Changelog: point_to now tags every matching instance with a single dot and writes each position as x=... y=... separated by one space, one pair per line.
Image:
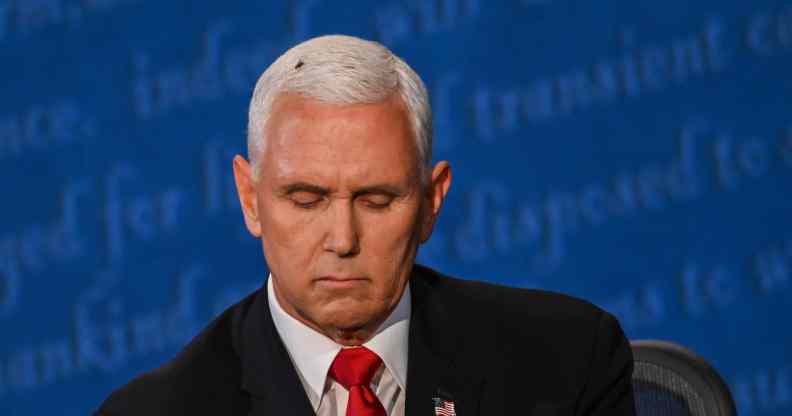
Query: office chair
x=669 y=380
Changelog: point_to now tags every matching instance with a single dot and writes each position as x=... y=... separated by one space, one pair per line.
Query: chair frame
x=693 y=368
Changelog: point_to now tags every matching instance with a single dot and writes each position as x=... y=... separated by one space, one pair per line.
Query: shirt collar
x=312 y=352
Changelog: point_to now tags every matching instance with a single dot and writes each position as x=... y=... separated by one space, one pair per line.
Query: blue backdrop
x=634 y=153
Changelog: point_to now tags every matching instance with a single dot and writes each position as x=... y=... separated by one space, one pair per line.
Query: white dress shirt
x=312 y=353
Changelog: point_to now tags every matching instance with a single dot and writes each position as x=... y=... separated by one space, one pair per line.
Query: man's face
x=340 y=210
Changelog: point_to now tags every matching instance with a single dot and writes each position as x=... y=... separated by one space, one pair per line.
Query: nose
x=342 y=233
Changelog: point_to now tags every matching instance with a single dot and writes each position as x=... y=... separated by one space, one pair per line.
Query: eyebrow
x=302 y=187
x=293 y=187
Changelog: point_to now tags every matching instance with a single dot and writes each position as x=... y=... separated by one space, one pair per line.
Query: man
x=341 y=192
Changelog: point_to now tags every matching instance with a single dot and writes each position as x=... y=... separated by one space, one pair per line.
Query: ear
x=436 y=192
x=246 y=188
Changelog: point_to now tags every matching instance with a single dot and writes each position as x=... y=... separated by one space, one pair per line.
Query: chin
x=350 y=315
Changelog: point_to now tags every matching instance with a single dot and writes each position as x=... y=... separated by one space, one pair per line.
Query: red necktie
x=354 y=368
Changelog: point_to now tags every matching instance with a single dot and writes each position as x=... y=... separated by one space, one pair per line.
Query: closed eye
x=303 y=199
x=376 y=201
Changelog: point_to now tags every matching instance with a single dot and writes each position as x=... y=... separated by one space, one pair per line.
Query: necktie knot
x=355 y=367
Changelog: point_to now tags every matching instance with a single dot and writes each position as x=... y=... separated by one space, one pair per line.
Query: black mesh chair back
x=669 y=380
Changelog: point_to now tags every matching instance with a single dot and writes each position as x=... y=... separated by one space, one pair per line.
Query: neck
x=350 y=337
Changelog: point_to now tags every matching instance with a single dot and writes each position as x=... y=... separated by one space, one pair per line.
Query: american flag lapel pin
x=443 y=406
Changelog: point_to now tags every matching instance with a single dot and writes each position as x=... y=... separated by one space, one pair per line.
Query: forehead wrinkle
x=342 y=170
x=338 y=151
x=346 y=181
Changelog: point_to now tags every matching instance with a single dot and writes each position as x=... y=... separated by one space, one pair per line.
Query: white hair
x=339 y=69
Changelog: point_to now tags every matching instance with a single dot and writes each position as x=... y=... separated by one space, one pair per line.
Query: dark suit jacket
x=493 y=350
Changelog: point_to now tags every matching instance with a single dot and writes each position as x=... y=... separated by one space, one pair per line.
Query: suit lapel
x=434 y=367
x=268 y=373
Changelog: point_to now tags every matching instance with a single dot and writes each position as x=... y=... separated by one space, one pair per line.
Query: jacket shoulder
x=514 y=320
x=564 y=350
x=522 y=306
x=205 y=374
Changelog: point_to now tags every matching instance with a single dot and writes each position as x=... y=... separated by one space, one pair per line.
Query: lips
x=340 y=279
x=340 y=282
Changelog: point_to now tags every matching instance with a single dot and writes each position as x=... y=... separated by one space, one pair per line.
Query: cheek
x=286 y=233
x=390 y=236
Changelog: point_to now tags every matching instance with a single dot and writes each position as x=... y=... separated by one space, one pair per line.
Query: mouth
x=340 y=281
